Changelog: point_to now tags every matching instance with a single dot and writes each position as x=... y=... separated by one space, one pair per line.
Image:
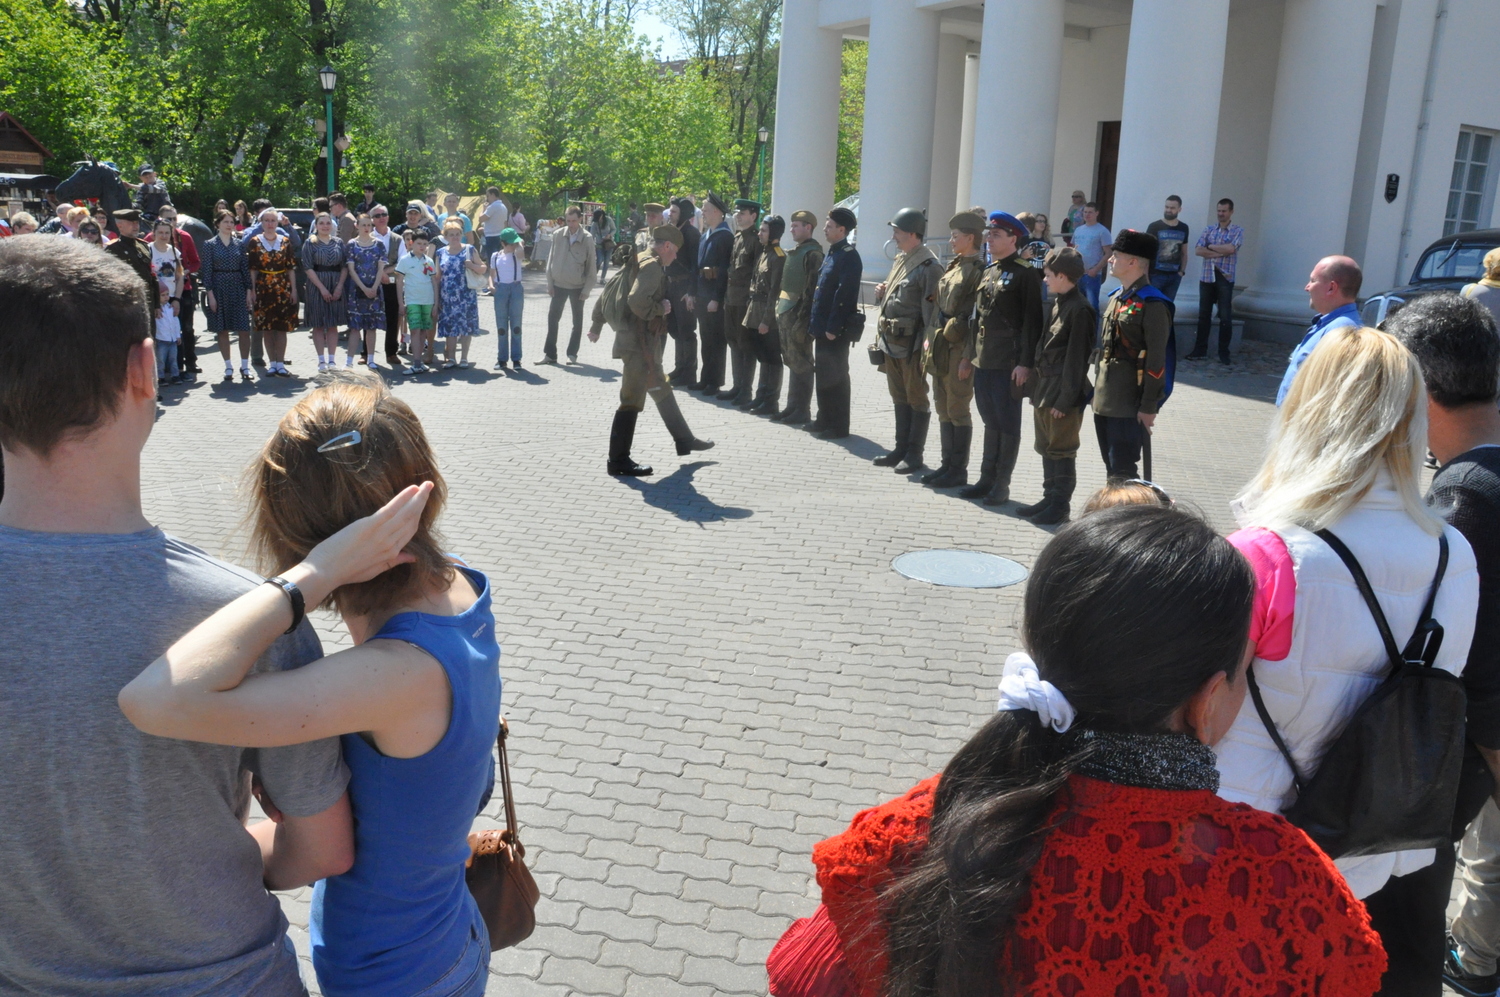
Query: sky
x=658 y=31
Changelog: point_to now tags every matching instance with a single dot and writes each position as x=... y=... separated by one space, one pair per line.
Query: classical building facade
x=1358 y=126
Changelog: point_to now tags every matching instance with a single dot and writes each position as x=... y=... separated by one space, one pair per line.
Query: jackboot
x=737 y=380
x=746 y=399
x=916 y=443
x=945 y=438
x=903 y=437
x=1005 y=463
x=671 y=415
x=768 y=397
x=798 y=395
x=1064 y=480
x=958 y=466
x=621 y=436
x=833 y=412
x=1048 y=473
x=981 y=488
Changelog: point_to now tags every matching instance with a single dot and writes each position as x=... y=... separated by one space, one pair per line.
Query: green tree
x=851 y=118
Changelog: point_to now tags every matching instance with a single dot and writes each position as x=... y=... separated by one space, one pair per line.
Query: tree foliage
x=851 y=118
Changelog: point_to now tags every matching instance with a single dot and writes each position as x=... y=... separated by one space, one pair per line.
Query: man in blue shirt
x=1092 y=240
x=1332 y=290
x=834 y=301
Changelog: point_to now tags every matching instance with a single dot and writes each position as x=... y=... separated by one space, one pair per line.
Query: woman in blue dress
x=458 y=304
x=363 y=298
x=224 y=271
x=346 y=495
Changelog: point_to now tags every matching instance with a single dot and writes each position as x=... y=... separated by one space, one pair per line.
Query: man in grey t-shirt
x=125 y=865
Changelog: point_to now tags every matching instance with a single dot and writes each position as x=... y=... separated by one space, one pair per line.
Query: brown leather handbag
x=497 y=875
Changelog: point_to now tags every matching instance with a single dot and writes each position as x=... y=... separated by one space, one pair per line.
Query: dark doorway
x=1104 y=173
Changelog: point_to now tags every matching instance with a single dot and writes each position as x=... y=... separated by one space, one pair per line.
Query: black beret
x=844 y=218
x=1133 y=243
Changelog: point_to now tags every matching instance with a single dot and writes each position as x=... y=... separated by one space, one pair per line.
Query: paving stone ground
x=708 y=670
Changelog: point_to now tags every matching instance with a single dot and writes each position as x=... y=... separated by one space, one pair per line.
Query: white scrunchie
x=1023 y=688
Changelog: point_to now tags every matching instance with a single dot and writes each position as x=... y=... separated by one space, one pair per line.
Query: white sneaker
x=322 y=366
x=449 y=364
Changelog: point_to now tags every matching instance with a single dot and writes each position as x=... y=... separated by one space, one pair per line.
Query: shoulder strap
x=508 y=797
x=1270 y=725
x=1427 y=637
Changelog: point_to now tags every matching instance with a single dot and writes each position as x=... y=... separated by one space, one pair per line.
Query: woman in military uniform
x=1062 y=363
x=949 y=343
x=760 y=315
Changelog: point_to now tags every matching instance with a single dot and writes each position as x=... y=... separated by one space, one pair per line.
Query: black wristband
x=293 y=593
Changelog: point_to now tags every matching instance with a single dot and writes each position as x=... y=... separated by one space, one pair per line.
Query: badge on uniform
x=1006 y=276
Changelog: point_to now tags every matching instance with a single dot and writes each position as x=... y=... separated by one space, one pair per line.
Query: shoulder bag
x=473 y=281
x=1389 y=781
x=497 y=875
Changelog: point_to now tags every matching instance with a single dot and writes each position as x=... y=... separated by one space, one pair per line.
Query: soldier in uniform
x=832 y=325
x=640 y=346
x=760 y=315
x=742 y=260
x=714 y=249
x=1130 y=375
x=655 y=216
x=682 y=280
x=907 y=302
x=1010 y=324
x=1062 y=366
x=799 y=277
x=950 y=342
x=131 y=250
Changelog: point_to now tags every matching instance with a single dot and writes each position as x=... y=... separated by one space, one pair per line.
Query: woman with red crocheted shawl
x=1075 y=846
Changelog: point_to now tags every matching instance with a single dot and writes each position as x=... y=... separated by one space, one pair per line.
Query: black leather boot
x=1005 y=463
x=903 y=437
x=945 y=438
x=671 y=415
x=958 y=466
x=621 y=436
x=1064 y=480
x=798 y=395
x=981 y=488
x=768 y=398
x=737 y=387
x=1027 y=511
x=916 y=443
x=835 y=418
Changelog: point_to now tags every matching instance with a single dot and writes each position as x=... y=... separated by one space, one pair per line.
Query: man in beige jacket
x=570 y=278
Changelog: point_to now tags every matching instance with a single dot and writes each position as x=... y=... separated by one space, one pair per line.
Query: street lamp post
x=329 y=78
x=760 y=170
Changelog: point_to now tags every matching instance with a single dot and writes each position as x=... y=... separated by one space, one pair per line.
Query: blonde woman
x=325 y=261
x=1486 y=290
x=458 y=304
x=1346 y=456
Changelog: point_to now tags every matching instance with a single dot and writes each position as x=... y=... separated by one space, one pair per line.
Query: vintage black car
x=1446 y=265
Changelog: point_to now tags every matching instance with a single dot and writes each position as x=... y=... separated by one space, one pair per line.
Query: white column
x=1314 y=139
x=1020 y=74
x=947 y=130
x=966 y=137
x=1169 y=125
x=807 y=112
x=895 y=162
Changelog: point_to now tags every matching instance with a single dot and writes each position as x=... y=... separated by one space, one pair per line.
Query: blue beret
x=1004 y=219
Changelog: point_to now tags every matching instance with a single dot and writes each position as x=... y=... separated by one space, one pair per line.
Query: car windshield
x=1454 y=261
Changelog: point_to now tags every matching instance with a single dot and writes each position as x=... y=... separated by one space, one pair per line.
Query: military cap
x=717 y=202
x=1133 y=243
x=660 y=209
x=1006 y=220
x=509 y=235
x=145 y=168
x=127 y=215
x=805 y=217
x=844 y=218
x=967 y=221
x=745 y=204
x=1065 y=260
x=667 y=233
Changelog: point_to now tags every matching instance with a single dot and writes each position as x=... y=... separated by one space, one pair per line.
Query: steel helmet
x=913 y=220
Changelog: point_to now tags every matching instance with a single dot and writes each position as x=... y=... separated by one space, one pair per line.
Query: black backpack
x=1389 y=781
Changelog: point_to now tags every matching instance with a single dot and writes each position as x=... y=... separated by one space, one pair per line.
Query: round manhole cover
x=968 y=569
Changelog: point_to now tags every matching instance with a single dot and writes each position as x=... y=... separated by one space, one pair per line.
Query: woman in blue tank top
x=416 y=701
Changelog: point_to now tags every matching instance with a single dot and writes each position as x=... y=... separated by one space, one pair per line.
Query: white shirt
x=506 y=267
x=496 y=217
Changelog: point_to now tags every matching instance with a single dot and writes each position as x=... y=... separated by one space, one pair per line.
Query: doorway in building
x=1106 y=160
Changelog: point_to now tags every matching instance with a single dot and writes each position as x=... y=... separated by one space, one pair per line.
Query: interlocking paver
x=708 y=670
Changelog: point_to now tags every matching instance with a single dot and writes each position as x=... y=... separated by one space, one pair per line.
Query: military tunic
x=1062 y=364
x=134 y=253
x=1010 y=316
x=1130 y=373
x=799 y=277
x=908 y=309
x=641 y=346
x=951 y=340
x=765 y=290
x=742 y=261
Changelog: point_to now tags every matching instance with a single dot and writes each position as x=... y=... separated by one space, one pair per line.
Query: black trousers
x=187 y=350
x=392 y=325
x=767 y=347
x=1220 y=292
x=711 y=331
x=831 y=377
x=1410 y=914
x=1120 y=444
x=992 y=397
x=560 y=296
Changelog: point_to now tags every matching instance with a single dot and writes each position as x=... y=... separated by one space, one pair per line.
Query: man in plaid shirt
x=1219 y=246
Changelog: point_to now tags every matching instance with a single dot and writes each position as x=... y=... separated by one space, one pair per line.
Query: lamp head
x=329 y=78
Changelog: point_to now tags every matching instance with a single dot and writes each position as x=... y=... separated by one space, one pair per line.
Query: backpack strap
x=1428 y=635
x=1270 y=725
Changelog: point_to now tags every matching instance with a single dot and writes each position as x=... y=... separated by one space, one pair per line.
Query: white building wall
x=1093 y=86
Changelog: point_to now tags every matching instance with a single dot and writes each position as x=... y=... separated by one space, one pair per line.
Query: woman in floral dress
x=363 y=297
x=273 y=277
x=458 y=309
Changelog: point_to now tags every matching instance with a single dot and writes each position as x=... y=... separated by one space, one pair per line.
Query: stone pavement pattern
x=708 y=670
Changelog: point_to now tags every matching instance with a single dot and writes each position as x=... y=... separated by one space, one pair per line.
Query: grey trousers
x=1476 y=927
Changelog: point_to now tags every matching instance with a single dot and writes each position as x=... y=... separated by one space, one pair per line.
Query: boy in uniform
x=1131 y=376
x=799 y=278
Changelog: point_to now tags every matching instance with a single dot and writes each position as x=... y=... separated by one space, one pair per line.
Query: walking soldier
x=760 y=315
x=799 y=278
x=742 y=261
x=950 y=343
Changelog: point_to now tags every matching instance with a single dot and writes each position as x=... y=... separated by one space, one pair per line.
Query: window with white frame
x=1469 y=192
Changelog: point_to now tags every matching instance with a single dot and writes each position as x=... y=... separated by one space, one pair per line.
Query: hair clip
x=1161 y=493
x=349 y=439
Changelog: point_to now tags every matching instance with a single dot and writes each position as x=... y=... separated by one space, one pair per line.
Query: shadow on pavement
x=675 y=494
x=606 y=375
x=523 y=374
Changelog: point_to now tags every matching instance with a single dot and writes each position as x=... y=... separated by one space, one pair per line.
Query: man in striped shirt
x=1219 y=246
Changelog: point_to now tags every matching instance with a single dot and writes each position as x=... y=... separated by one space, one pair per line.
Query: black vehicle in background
x=1446 y=265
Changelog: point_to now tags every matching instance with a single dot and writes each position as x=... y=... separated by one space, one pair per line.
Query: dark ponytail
x=1128 y=612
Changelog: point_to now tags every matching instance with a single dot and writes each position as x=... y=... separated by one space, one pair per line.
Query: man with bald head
x=1332 y=291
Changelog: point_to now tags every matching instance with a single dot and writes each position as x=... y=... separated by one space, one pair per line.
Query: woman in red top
x=1074 y=846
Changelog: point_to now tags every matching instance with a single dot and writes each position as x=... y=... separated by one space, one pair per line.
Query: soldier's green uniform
x=908 y=310
x=799 y=278
x=1130 y=374
x=742 y=260
x=1010 y=324
x=949 y=342
x=765 y=289
x=134 y=253
x=639 y=345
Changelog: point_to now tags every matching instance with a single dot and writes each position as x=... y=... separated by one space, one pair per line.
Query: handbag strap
x=507 y=796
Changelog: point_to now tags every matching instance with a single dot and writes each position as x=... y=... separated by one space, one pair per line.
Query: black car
x=1446 y=265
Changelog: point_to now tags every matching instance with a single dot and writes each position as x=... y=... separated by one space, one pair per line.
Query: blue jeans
x=1166 y=283
x=1090 y=288
x=508 y=298
x=166 y=360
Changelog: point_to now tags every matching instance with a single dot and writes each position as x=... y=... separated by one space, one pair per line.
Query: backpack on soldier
x=614 y=301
